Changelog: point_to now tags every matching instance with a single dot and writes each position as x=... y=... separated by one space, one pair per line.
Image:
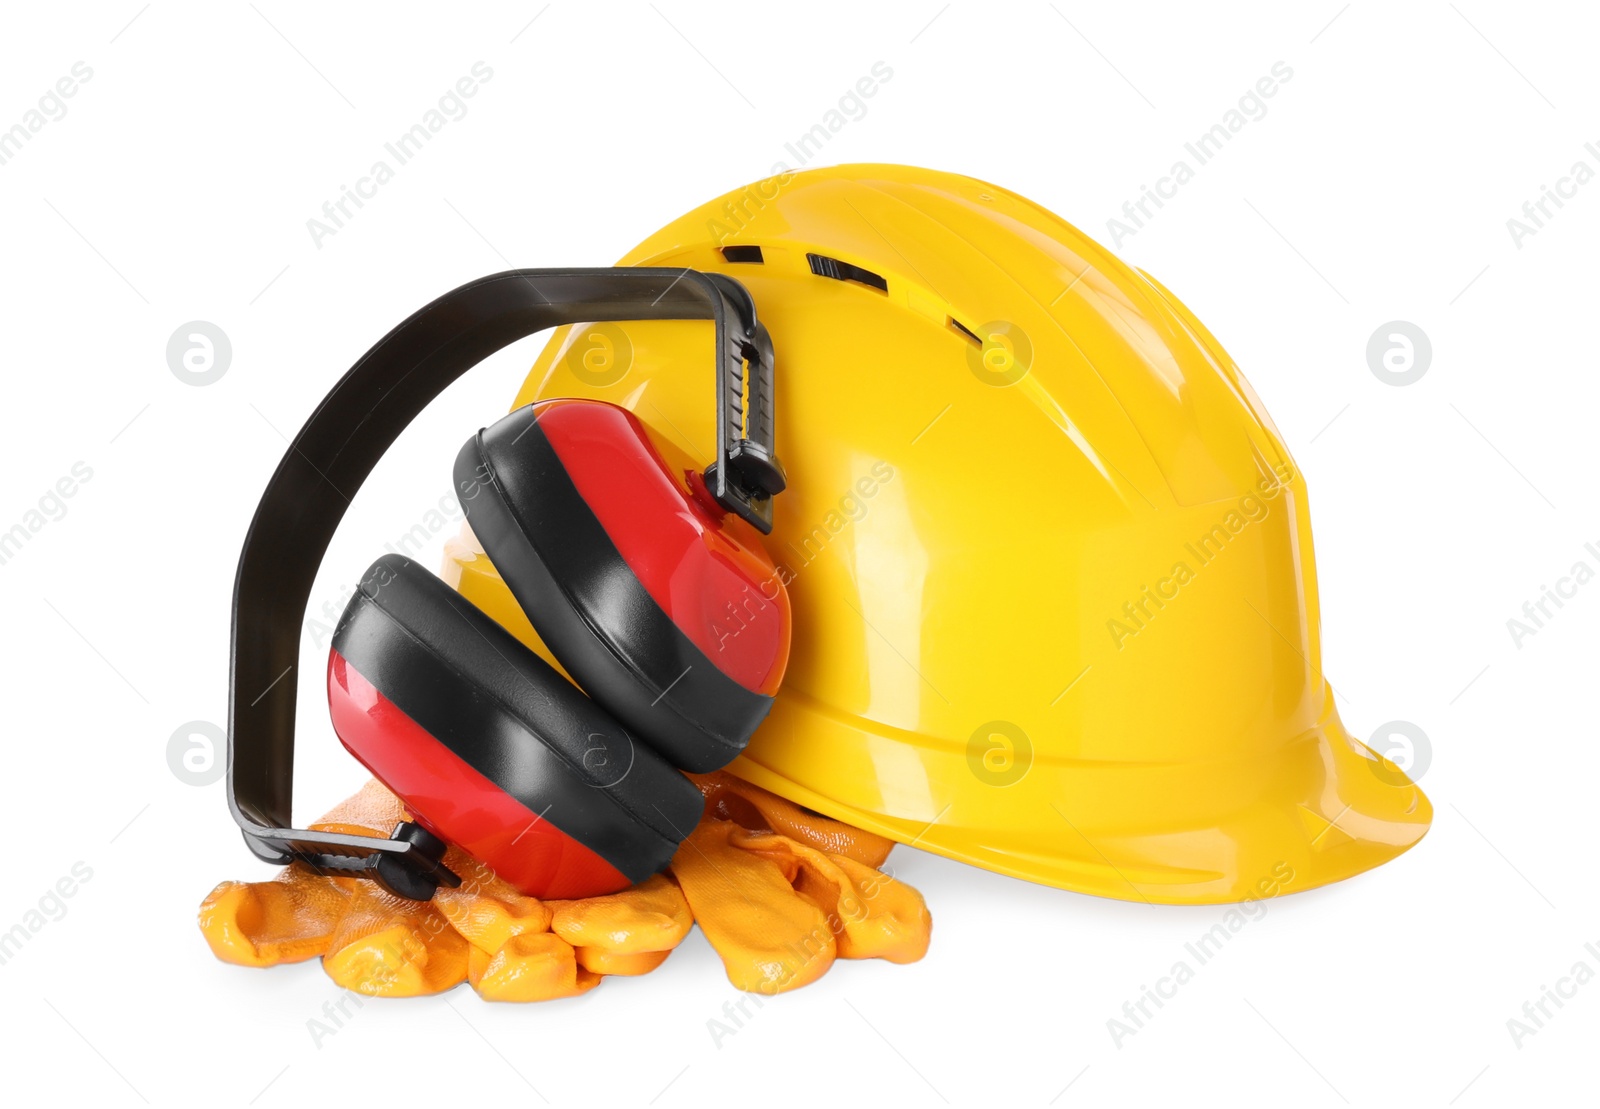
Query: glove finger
x=533 y=966
x=895 y=925
x=488 y=922
x=651 y=916
x=386 y=946
x=731 y=798
x=873 y=915
x=286 y=920
x=770 y=940
x=485 y=909
x=602 y=961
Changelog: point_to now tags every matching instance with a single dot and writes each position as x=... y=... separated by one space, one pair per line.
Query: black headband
x=350 y=431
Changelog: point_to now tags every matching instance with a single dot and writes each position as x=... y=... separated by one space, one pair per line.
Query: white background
x=1377 y=188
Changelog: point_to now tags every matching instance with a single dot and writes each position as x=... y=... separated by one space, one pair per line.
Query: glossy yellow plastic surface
x=1055 y=606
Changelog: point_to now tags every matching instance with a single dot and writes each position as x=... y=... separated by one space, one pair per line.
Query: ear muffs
x=491 y=749
x=664 y=607
x=388 y=687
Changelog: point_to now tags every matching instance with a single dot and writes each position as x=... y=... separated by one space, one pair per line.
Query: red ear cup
x=491 y=749
x=663 y=607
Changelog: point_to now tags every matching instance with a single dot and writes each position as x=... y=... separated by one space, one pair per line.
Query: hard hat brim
x=1329 y=809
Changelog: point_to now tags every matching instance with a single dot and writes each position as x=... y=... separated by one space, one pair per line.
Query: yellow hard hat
x=1055 y=606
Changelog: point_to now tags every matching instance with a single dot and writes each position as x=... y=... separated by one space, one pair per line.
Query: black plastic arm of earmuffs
x=344 y=439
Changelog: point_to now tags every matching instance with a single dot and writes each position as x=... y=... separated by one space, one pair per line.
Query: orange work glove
x=779 y=891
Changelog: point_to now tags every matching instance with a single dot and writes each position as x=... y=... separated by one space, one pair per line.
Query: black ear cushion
x=589 y=607
x=507 y=713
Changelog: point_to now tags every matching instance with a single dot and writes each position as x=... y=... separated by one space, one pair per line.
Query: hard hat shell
x=1054 y=600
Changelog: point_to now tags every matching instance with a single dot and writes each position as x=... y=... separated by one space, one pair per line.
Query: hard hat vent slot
x=743 y=254
x=971 y=335
x=823 y=266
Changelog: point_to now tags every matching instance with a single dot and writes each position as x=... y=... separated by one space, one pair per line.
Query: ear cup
x=491 y=749
x=663 y=607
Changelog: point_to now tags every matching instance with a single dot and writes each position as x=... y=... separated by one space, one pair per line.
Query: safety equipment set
x=1053 y=596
